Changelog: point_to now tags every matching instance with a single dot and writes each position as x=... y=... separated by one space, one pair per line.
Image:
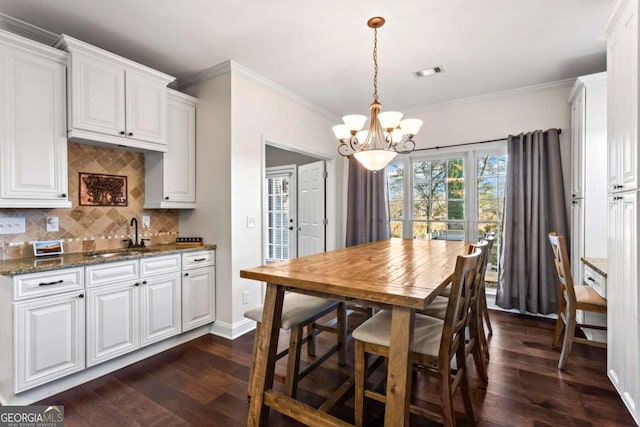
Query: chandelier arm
x=406 y=146
x=344 y=150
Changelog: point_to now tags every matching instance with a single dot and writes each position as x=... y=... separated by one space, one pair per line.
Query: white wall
x=499 y=117
x=212 y=217
x=260 y=115
x=237 y=116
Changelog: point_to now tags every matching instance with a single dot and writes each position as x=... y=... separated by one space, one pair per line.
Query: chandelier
x=388 y=134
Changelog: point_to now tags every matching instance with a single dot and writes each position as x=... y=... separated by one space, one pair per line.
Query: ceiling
x=322 y=50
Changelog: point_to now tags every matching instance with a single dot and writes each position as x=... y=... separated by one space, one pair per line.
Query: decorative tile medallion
x=102 y=189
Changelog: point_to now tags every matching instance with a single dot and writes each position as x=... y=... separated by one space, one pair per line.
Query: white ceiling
x=322 y=50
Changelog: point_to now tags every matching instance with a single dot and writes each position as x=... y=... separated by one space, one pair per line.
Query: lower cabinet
x=112 y=321
x=55 y=323
x=160 y=308
x=49 y=339
x=198 y=298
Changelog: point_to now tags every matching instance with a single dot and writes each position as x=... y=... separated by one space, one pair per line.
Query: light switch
x=52 y=224
x=251 y=222
x=146 y=221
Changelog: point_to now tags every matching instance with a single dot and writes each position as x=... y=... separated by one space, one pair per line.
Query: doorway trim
x=332 y=214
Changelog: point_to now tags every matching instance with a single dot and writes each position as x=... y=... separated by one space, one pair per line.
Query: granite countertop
x=598 y=264
x=12 y=267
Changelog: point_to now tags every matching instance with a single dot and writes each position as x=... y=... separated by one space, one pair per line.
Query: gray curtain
x=367 y=205
x=534 y=206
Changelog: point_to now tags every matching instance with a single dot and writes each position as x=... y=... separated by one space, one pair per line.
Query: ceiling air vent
x=429 y=71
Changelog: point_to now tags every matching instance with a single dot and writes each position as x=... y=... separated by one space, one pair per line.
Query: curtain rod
x=469 y=143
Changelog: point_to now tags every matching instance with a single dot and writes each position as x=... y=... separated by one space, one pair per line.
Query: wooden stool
x=300 y=311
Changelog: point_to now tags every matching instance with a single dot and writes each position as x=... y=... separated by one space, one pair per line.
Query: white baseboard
x=232 y=331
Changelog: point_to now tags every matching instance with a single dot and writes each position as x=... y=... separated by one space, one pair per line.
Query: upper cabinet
x=113 y=100
x=33 y=143
x=170 y=178
x=622 y=63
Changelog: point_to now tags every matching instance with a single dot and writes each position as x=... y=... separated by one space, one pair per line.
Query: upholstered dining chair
x=436 y=342
x=476 y=342
x=300 y=311
x=572 y=297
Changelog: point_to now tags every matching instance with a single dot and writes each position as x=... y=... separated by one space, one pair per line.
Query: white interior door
x=311 y=208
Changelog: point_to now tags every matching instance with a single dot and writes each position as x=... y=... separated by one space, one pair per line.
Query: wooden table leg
x=400 y=366
x=265 y=359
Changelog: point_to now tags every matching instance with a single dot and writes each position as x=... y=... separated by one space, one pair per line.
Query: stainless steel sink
x=112 y=254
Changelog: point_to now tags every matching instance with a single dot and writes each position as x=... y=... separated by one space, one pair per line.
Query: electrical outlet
x=52 y=224
x=251 y=222
x=12 y=226
x=146 y=221
x=245 y=297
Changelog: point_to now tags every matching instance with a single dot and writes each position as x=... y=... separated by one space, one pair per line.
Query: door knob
x=291 y=228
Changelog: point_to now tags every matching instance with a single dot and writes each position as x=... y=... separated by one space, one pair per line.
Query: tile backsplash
x=87 y=228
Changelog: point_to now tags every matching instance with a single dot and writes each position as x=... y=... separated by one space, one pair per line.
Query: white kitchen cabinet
x=113 y=100
x=113 y=313
x=621 y=32
x=160 y=298
x=588 y=100
x=577 y=101
x=171 y=177
x=160 y=308
x=198 y=289
x=622 y=65
x=622 y=296
x=49 y=339
x=33 y=144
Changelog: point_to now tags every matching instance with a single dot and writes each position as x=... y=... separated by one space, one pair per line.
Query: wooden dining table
x=401 y=275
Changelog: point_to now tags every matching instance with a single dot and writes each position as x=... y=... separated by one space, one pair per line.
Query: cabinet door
x=97 y=95
x=49 y=339
x=622 y=64
x=198 y=298
x=615 y=322
x=629 y=280
x=112 y=322
x=179 y=162
x=146 y=108
x=578 y=144
x=33 y=138
x=577 y=239
x=160 y=308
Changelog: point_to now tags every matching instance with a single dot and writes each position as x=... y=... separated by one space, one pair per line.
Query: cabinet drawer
x=198 y=259
x=597 y=281
x=159 y=265
x=47 y=283
x=103 y=274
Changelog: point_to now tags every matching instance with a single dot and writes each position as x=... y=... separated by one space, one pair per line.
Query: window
x=438 y=199
x=280 y=203
x=491 y=173
x=450 y=195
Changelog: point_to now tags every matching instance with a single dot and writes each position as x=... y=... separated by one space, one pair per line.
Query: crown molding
x=24 y=29
x=186 y=80
x=492 y=96
x=229 y=66
x=589 y=80
x=612 y=18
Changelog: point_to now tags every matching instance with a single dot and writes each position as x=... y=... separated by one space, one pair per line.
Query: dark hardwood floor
x=204 y=383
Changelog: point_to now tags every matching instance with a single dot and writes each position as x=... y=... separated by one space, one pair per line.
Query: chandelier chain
x=375 y=64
